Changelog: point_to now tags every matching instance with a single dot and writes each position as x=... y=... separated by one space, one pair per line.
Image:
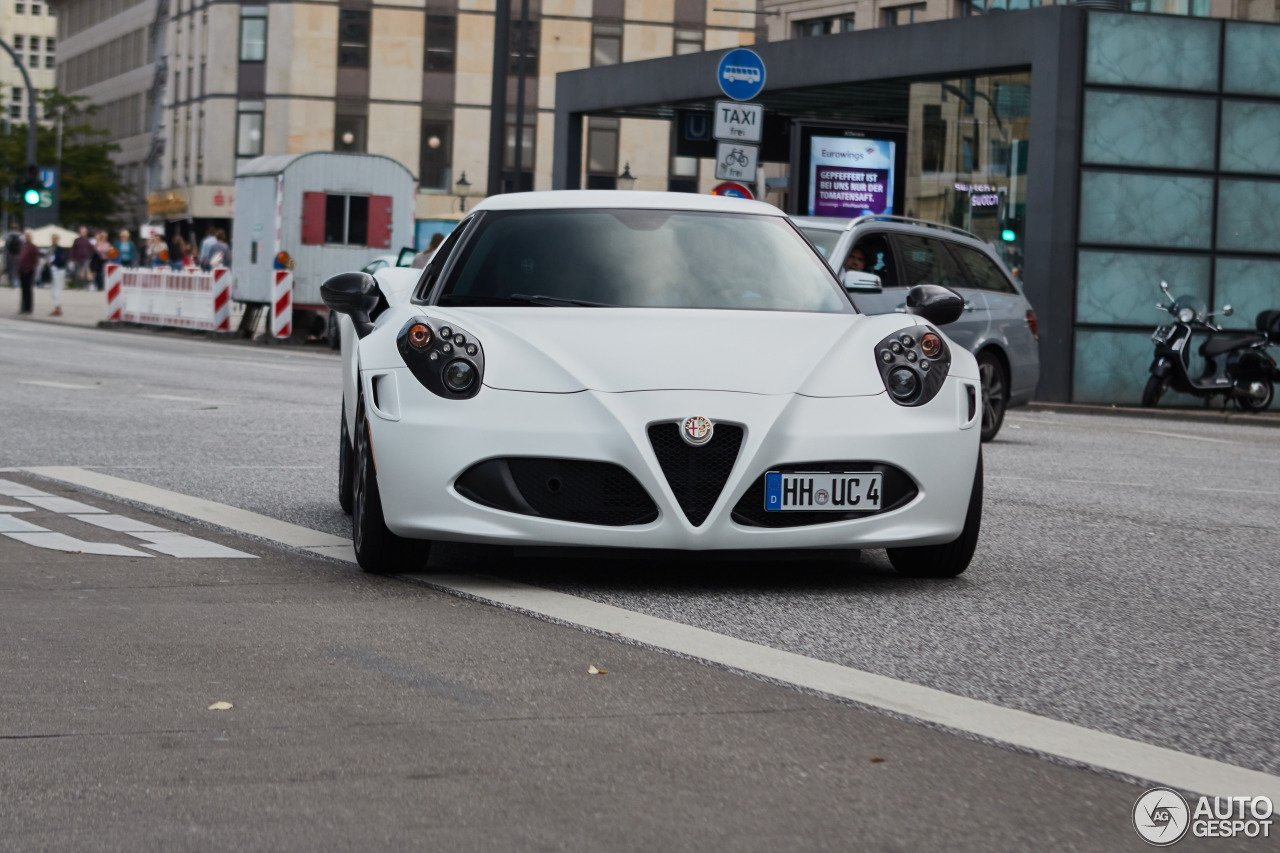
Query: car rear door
x=1007 y=309
x=926 y=260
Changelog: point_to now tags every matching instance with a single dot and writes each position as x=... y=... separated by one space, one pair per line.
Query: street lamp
x=464 y=189
x=626 y=181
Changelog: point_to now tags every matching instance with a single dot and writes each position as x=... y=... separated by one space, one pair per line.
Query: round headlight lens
x=459 y=376
x=903 y=383
x=419 y=335
x=931 y=345
x=1186 y=314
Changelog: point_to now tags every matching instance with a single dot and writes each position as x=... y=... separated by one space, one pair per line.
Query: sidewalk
x=79 y=307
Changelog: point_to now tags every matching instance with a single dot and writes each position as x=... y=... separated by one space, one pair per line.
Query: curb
x=1265 y=419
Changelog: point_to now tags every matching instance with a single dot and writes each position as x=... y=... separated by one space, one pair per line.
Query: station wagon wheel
x=995 y=394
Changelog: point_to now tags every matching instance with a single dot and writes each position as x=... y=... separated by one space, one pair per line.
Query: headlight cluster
x=447 y=360
x=914 y=363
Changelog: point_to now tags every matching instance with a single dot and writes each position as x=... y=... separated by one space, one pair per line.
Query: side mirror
x=935 y=303
x=355 y=294
x=861 y=282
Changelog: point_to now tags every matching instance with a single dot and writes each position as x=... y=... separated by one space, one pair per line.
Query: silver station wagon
x=880 y=257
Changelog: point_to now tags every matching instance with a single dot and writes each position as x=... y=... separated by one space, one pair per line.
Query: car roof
x=614 y=199
x=893 y=223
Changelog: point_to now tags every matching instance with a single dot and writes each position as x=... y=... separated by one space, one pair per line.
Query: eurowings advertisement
x=850 y=176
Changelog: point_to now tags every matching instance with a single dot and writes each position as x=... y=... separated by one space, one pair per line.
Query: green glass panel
x=1252 y=64
x=1152 y=50
x=1124 y=287
x=1113 y=367
x=1248 y=285
x=1249 y=216
x=1145 y=210
x=1122 y=129
x=1251 y=137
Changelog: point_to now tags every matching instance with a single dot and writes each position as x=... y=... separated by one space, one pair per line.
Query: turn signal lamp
x=931 y=345
x=419 y=335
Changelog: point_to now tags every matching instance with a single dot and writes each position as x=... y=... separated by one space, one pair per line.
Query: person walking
x=28 y=263
x=58 y=259
x=158 y=251
x=206 y=247
x=219 y=252
x=125 y=253
x=101 y=254
x=81 y=257
x=12 y=248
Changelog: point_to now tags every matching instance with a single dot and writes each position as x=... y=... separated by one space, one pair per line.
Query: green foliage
x=91 y=192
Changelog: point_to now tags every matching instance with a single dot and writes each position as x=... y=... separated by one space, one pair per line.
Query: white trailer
x=331 y=212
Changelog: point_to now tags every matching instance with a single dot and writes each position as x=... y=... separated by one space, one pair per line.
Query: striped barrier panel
x=174 y=298
x=282 y=304
x=114 y=282
x=221 y=300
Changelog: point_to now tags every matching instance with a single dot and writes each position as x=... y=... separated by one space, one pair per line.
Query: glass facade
x=1179 y=182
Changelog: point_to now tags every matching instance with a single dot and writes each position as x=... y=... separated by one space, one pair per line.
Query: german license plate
x=838 y=491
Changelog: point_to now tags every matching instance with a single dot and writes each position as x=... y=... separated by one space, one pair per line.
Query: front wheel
x=952 y=558
x=346 y=465
x=995 y=394
x=378 y=550
x=1153 y=392
x=1258 y=394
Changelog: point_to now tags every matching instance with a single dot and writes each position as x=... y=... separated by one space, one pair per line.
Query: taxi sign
x=732 y=190
x=737 y=122
x=741 y=74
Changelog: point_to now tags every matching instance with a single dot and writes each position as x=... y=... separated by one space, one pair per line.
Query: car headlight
x=1186 y=314
x=913 y=363
x=448 y=361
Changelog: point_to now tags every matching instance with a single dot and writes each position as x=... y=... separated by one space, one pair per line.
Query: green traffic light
x=31 y=197
x=1008 y=236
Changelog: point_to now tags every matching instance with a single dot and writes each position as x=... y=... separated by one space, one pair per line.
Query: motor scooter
x=1237 y=364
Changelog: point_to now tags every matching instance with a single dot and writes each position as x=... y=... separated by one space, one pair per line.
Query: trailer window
x=348 y=220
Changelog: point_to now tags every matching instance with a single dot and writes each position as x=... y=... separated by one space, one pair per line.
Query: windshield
x=641 y=258
x=823 y=239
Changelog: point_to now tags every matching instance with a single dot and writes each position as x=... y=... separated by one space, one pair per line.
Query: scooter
x=1237 y=365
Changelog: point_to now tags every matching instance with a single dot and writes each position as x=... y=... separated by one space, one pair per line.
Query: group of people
x=85 y=260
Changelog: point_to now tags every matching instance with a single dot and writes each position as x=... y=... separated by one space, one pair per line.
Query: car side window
x=986 y=274
x=927 y=261
x=431 y=274
x=877 y=257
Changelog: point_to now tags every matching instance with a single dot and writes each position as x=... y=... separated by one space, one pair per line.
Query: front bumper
x=422 y=444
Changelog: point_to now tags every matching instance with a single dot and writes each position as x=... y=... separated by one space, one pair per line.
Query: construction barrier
x=165 y=297
x=282 y=304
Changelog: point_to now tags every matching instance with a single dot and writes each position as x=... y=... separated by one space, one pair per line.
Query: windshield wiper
x=555 y=300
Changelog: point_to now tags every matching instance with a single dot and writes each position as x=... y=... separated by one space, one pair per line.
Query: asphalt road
x=1126 y=579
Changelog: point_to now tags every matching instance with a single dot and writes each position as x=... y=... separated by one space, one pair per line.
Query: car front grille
x=696 y=474
x=897 y=489
x=577 y=490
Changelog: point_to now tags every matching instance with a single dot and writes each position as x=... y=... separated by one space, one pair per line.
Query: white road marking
x=10 y=489
x=40 y=537
x=60 y=505
x=173 y=398
x=1187 y=437
x=189 y=547
x=958 y=713
x=9 y=524
x=118 y=523
x=1236 y=491
x=15 y=509
x=64 y=385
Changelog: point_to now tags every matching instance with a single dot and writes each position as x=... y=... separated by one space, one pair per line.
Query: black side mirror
x=935 y=303
x=355 y=294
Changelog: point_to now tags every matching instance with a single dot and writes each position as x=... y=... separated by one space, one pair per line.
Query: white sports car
x=650 y=370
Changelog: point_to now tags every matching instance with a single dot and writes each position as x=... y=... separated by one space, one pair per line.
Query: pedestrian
x=101 y=254
x=206 y=247
x=179 y=254
x=58 y=260
x=81 y=256
x=125 y=253
x=28 y=262
x=12 y=248
x=158 y=251
x=219 y=252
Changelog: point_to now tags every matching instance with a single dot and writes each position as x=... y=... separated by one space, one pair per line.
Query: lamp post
x=463 y=186
x=626 y=181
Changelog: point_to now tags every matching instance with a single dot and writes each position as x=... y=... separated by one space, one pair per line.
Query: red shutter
x=313 y=219
x=380 y=221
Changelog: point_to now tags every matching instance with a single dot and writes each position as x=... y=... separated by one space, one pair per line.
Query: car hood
x=565 y=350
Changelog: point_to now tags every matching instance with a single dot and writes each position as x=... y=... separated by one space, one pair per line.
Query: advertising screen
x=850 y=176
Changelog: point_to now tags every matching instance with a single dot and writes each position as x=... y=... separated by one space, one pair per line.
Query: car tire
x=346 y=465
x=333 y=331
x=378 y=550
x=952 y=558
x=995 y=393
x=1153 y=392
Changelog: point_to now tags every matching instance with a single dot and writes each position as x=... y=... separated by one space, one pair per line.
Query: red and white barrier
x=165 y=297
x=282 y=304
x=115 y=293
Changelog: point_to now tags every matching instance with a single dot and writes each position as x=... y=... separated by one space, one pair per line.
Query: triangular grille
x=696 y=474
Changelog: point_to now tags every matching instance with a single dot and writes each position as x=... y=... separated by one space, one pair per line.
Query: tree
x=91 y=190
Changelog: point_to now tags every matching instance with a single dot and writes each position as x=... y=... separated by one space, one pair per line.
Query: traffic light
x=31 y=186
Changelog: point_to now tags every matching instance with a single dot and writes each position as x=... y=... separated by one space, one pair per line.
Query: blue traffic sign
x=741 y=74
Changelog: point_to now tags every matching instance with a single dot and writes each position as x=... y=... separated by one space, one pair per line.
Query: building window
x=602 y=153
x=933 y=142
x=249 y=129
x=253 y=33
x=531 y=47
x=15 y=111
x=49 y=44
x=17 y=43
x=20 y=8
x=606 y=44
x=349 y=132
x=346 y=219
x=688 y=41
x=441 y=42
x=353 y=38
x=899 y=15
x=35 y=8
x=437 y=145
x=823 y=26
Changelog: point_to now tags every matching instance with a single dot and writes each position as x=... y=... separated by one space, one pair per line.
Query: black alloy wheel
x=1258 y=394
x=378 y=550
x=333 y=331
x=1153 y=392
x=952 y=558
x=346 y=465
x=995 y=394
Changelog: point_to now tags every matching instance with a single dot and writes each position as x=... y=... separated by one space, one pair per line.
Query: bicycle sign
x=741 y=74
x=735 y=162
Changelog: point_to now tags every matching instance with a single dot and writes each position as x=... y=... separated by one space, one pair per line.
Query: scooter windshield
x=1195 y=303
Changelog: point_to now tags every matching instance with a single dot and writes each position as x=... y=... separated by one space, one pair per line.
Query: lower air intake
x=564 y=489
x=696 y=474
